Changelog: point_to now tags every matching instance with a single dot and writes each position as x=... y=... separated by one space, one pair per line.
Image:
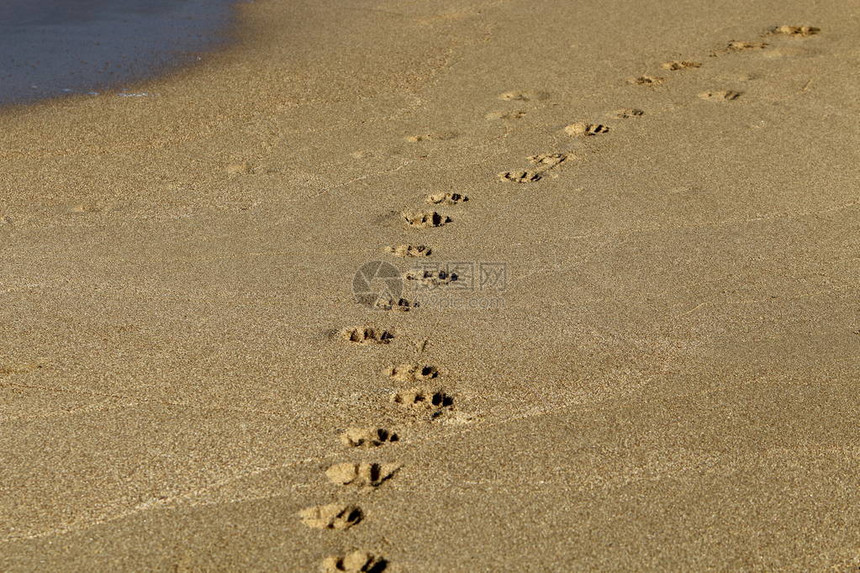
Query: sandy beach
x=634 y=347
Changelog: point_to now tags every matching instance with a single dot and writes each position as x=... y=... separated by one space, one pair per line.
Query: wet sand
x=667 y=380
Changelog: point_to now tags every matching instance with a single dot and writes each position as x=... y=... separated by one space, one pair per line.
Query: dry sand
x=670 y=384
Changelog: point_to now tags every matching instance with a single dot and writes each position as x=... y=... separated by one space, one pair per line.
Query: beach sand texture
x=670 y=384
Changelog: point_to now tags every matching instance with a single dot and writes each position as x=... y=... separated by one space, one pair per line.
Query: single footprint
x=447 y=198
x=646 y=81
x=412 y=372
x=736 y=46
x=399 y=304
x=520 y=176
x=523 y=96
x=354 y=562
x=421 y=398
x=796 y=31
x=444 y=136
x=332 y=516
x=506 y=115
x=426 y=219
x=721 y=95
x=581 y=129
x=626 y=113
x=367 y=335
x=547 y=160
x=362 y=474
x=410 y=251
x=430 y=277
x=680 y=65
x=368 y=437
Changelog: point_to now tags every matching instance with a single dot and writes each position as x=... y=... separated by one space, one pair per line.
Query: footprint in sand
x=398 y=304
x=367 y=335
x=719 y=96
x=422 y=398
x=795 y=31
x=582 y=129
x=412 y=372
x=368 y=437
x=520 y=176
x=447 y=198
x=410 y=251
x=547 y=160
x=361 y=474
x=332 y=516
x=625 y=113
x=505 y=115
x=735 y=46
x=646 y=80
x=443 y=136
x=680 y=65
x=354 y=562
x=425 y=219
x=523 y=96
x=430 y=278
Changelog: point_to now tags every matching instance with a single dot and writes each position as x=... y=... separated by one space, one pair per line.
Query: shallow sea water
x=53 y=47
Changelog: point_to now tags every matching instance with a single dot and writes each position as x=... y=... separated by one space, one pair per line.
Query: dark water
x=56 y=47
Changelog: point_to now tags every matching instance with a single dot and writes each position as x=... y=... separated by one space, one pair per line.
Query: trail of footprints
x=422 y=397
